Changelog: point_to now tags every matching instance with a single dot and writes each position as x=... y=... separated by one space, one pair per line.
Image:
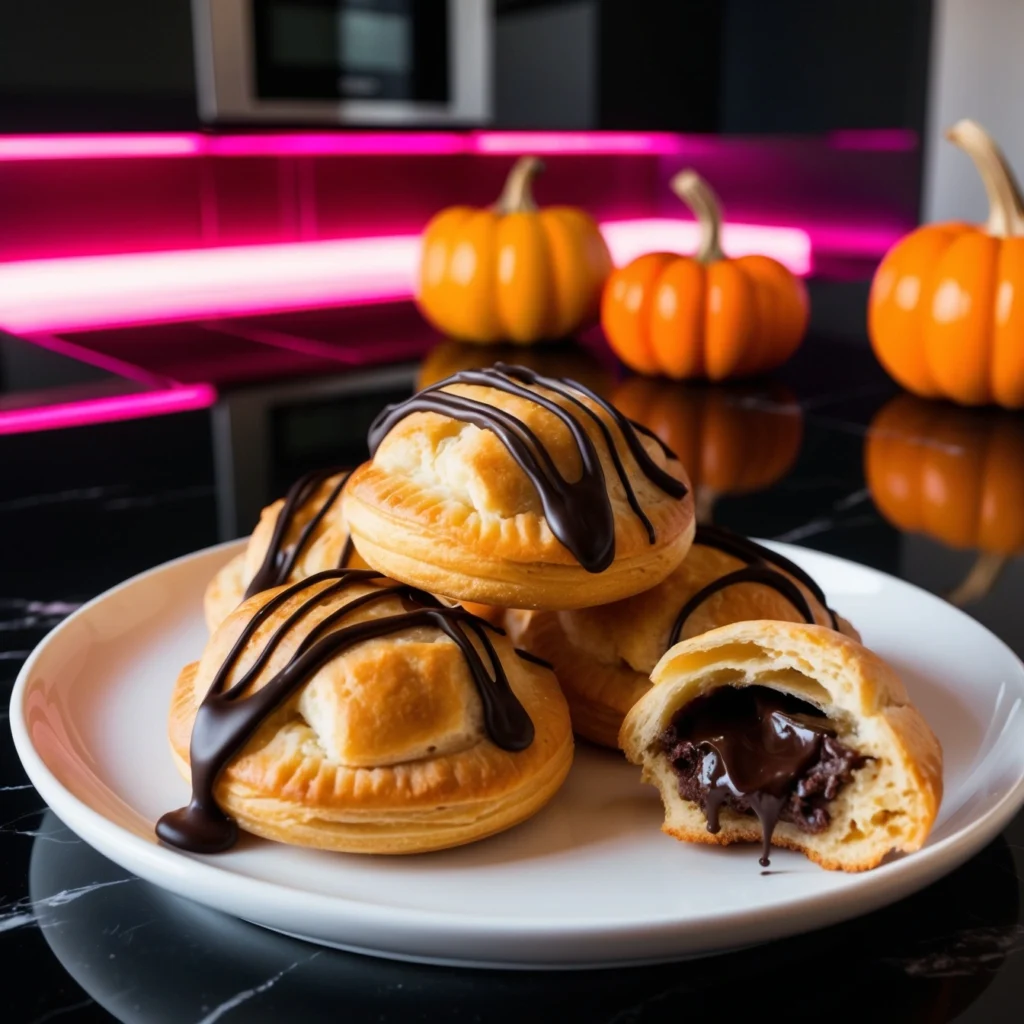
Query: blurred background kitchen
x=210 y=220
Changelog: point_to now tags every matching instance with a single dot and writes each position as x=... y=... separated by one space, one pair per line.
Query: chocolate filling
x=761 y=752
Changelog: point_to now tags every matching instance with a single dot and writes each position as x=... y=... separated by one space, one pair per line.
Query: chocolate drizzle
x=758 y=751
x=227 y=718
x=580 y=512
x=762 y=566
x=278 y=561
x=348 y=549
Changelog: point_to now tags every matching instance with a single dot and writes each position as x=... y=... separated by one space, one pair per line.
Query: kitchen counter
x=828 y=455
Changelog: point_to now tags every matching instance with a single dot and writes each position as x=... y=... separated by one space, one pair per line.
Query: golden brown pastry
x=505 y=488
x=348 y=712
x=296 y=536
x=603 y=656
x=788 y=734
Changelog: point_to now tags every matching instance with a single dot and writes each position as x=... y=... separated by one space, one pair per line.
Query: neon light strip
x=191 y=144
x=94 y=291
x=571 y=143
x=628 y=239
x=93 y=147
x=339 y=144
x=107 y=410
x=104 y=291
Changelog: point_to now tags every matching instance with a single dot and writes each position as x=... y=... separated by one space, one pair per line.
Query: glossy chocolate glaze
x=278 y=562
x=762 y=566
x=758 y=750
x=580 y=512
x=227 y=717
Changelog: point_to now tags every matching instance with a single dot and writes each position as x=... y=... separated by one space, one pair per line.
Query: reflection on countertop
x=826 y=454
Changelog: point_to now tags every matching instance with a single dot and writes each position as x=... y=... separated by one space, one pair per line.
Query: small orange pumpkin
x=512 y=272
x=705 y=315
x=946 y=312
x=727 y=445
x=953 y=474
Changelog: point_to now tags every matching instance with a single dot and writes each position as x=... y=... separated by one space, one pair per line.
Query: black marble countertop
x=808 y=457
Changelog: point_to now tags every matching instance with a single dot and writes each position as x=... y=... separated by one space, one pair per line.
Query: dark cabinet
x=728 y=66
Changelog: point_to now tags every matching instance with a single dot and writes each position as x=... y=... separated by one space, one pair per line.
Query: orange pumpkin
x=953 y=474
x=946 y=312
x=705 y=315
x=512 y=272
x=727 y=445
x=566 y=360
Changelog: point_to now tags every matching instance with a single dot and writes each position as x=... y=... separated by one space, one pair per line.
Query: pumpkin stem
x=517 y=195
x=1006 y=207
x=700 y=197
x=978 y=581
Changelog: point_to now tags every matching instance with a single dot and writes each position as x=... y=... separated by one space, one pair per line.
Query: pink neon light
x=130 y=146
x=107 y=410
x=92 y=147
x=589 y=143
x=93 y=291
x=628 y=239
x=847 y=240
x=191 y=144
x=339 y=144
x=890 y=139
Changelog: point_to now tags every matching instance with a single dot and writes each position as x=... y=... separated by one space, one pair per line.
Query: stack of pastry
x=349 y=697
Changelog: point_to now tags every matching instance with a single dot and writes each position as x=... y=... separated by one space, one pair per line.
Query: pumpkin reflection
x=732 y=440
x=955 y=475
x=561 y=360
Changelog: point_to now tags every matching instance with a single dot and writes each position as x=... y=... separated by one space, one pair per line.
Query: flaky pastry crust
x=604 y=656
x=384 y=749
x=323 y=551
x=891 y=802
x=444 y=506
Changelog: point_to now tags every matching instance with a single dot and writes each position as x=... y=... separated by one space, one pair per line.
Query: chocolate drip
x=346 y=552
x=279 y=562
x=579 y=513
x=226 y=719
x=757 y=750
x=763 y=567
x=533 y=658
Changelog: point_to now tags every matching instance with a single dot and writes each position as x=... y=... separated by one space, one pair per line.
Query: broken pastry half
x=297 y=535
x=350 y=712
x=790 y=735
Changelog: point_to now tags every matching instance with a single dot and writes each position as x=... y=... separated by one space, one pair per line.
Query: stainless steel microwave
x=360 y=62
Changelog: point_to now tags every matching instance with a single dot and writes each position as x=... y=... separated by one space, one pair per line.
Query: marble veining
x=61 y=1011
x=62 y=834
x=250 y=993
x=833 y=520
x=24 y=911
x=965 y=953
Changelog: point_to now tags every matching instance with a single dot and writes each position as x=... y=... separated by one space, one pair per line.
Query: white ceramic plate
x=589 y=881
